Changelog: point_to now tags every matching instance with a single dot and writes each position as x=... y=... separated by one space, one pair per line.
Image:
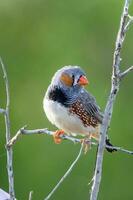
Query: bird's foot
x=56 y=136
x=86 y=144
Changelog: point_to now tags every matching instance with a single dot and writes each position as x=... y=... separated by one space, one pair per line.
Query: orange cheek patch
x=66 y=79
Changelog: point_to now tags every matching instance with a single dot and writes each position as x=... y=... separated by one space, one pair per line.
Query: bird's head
x=70 y=77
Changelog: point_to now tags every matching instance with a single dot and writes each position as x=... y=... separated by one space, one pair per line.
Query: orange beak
x=83 y=81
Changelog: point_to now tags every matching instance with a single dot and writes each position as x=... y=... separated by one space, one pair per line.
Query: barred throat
x=78 y=109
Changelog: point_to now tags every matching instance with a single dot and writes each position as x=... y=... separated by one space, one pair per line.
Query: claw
x=86 y=144
x=56 y=136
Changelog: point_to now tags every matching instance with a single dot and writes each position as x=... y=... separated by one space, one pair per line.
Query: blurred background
x=36 y=38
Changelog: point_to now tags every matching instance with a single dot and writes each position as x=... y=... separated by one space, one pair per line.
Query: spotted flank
x=88 y=120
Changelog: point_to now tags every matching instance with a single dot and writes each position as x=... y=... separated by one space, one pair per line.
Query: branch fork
x=117 y=75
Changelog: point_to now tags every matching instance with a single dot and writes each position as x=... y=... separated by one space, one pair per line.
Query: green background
x=36 y=38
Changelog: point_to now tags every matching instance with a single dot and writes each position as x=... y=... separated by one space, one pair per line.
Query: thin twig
x=24 y=131
x=2 y=111
x=66 y=174
x=7 y=123
x=123 y=74
x=110 y=102
x=30 y=195
x=4 y=195
x=130 y=21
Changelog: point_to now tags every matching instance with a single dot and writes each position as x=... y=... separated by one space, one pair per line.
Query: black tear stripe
x=56 y=94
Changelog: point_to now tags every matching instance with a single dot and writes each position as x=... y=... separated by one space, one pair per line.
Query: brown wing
x=87 y=110
x=87 y=119
x=91 y=106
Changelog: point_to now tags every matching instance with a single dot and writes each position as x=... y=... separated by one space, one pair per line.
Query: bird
x=70 y=107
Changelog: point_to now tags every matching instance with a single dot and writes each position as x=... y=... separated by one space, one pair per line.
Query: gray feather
x=90 y=105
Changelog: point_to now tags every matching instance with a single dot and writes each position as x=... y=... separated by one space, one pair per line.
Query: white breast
x=61 y=118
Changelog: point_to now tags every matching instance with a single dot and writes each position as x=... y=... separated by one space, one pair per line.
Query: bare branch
x=7 y=123
x=30 y=195
x=120 y=38
x=123 y=74
x=2 y=111
x=66 y=174
x=44 y=131
x=110 y=102
x=23 y=131
x=123 y=150
x=4 y=195
x=130 y=21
